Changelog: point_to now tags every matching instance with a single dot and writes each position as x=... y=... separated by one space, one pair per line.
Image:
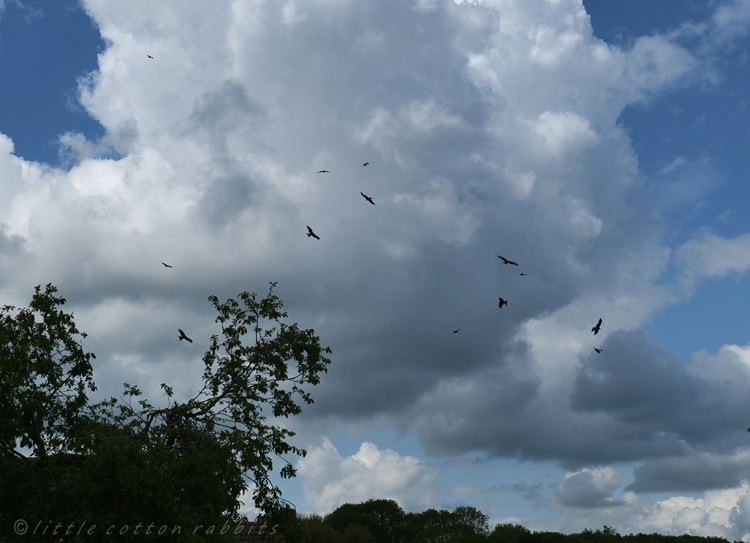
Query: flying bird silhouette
x=748 y=429
x=166 y=265
x=365 y=164
x=523 y=274
x=456 y=332
x=506 y=261
x=310 y=233
x=596 y=328
x=597 y=350
x=367 y=198
x=324 y=171
x=183 y=336
x=502 y=302
x=149 y=56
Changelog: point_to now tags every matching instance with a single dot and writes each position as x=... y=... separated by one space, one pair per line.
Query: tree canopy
x=381 y=521
x=182 y=466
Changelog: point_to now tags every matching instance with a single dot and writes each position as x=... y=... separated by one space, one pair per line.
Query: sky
x=600 y=144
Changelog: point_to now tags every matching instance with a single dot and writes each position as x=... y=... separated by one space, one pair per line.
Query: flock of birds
x=312 y=234
x=502 y=302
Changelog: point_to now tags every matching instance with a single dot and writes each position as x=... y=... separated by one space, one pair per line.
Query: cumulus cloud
x=330 y=480
x=710 y=255
x=589 y=488
x=715 y=515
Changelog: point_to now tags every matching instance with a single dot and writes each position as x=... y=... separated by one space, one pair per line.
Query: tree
x=384 y=519
x=183 y=465
x=317 y=531
x=464 y=524
x=44 y=374
x=510 y=533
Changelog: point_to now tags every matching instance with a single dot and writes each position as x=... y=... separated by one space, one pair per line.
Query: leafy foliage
x=364 y=522
x=183 y=466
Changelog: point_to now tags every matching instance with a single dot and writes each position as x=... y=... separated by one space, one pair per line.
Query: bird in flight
x=149 y=56
x=365 y=164
x=312 y=234
x=324 y=171
x=597 y=350
x=596 y=328
x=502 y=302
x=506 y=261
x=367 y=198
x=523 y=274
x=748 y=429
x=166 y=265
x=183 y=336
x=456 y=332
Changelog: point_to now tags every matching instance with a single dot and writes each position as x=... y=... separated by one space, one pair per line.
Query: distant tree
x=472 y=517
x=463 y=525
x=510 y=533
x=183 y=465
x=384 y=519
x=315 y=530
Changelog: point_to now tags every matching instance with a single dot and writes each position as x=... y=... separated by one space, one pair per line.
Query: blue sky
x=599 y=144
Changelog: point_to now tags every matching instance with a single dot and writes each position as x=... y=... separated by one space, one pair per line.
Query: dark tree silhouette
x=182 y=465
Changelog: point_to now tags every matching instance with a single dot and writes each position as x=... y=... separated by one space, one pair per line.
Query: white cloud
x=710 y=255
x=564 y=132
x=713 y=515
x=330 y=481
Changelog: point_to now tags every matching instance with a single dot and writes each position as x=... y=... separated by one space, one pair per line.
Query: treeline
x=383 y=521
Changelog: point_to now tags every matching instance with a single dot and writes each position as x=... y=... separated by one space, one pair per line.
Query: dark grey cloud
x=697 y=472
x=527 y=491
x=589 y=489
x=225 y=198
x=644 y=387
